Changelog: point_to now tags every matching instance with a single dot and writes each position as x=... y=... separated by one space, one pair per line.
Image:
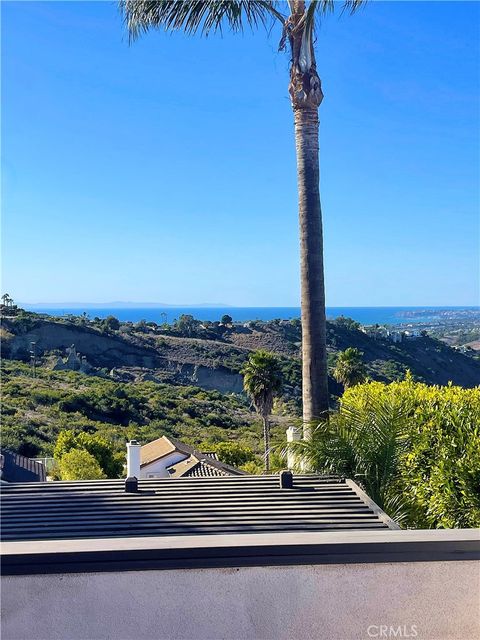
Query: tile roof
x=17 y=468
x=208 y=464
x=204 y=470
x=155 y=450
x=193 y=467
x=185 y=506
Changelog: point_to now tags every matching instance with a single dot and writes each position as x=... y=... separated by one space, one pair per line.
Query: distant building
x=395 y=336
x=170 y=458
x=378 y=332
x=462 y=348
x=413 y=333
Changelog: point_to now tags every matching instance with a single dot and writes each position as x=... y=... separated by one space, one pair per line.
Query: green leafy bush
x=78 y=464
x=111 y=323
x=415 y=449
x=96 y=446
x=442 y=469
x=232 y=453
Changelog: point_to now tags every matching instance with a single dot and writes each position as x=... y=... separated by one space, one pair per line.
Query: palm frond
x=353 y=5
x=328 y=6
x=305 y=58
x=366 y=443
x=194 y=16
x=396 y=504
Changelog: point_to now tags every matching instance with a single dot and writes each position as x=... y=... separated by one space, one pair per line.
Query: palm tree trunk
x=314 y=352
x=306 y=94
x=266 y=443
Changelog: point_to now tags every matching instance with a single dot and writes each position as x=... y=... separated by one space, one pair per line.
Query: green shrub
x=232 y=453
x=78 y=464
x=94 y=445
x=414 y=448
x=46 y=396
x=111 y=323
x=442 y=469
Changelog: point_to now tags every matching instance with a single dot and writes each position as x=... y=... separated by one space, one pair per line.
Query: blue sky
x=165 y=171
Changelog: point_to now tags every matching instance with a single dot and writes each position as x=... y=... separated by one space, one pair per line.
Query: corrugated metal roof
x=187 y=506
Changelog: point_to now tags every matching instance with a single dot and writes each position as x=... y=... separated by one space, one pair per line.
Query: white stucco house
x=170 y=458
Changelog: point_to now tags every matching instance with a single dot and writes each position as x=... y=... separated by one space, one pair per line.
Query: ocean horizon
x=364 y=315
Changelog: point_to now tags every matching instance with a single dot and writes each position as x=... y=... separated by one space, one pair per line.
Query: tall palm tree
x=262 y=381
x=349 y=368
x=297 y=27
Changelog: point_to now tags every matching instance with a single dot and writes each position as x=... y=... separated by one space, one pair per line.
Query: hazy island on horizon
x=222 y=305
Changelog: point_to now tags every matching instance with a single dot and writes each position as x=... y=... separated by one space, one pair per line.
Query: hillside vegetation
x=211 y=355
x=36 y=410
x=183 y=379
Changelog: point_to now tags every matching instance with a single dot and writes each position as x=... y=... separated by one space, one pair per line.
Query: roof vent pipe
x=131 y=485
x=286 y=480
x=133 y=459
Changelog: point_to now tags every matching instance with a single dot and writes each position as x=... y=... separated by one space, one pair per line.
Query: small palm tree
x=366 y=443
x=297 y=29
x=349 y=368
x=262 y=381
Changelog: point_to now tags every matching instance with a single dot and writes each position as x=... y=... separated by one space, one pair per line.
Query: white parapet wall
x=425 y=600
x=429 y=600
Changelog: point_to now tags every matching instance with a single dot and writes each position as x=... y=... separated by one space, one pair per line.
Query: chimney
x=293 y=435
x=133 y=459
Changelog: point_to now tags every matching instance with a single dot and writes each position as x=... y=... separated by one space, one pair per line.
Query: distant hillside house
x=413 y=333
x=383 y=333
x=169 y=458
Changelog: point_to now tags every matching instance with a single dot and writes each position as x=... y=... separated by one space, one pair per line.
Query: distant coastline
x=165 y=313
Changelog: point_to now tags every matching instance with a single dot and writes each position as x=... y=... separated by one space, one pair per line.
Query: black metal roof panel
x=187 y=506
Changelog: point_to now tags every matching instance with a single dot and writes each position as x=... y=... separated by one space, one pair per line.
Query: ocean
x=364 y=315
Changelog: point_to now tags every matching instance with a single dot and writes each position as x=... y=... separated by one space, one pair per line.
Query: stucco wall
x=159 y=467
x=427 y=600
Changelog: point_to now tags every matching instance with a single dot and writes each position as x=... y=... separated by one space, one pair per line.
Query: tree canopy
x=233 y=453
x=349 y=368
x=78 y=464
x=111 y=323
x=96 y=446
x=262 y=380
